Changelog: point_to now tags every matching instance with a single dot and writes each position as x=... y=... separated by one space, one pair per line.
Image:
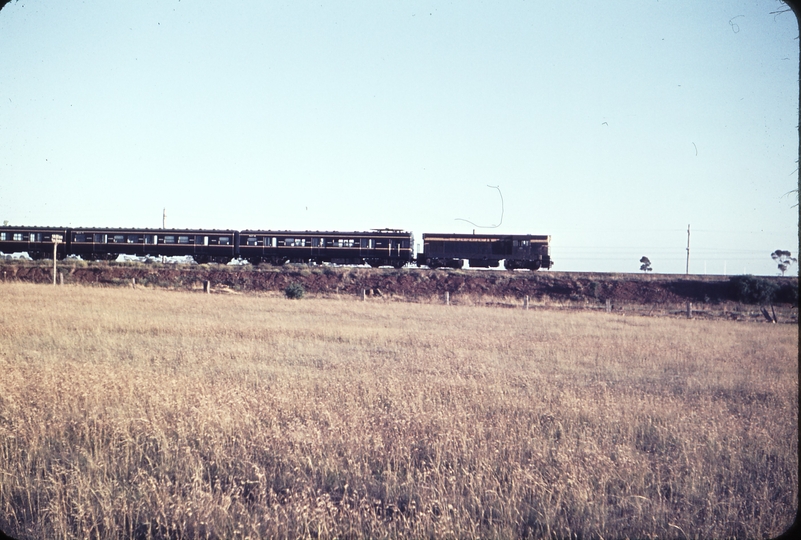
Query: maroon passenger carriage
x=37 y=242
x=379 y=247
x=203 y=245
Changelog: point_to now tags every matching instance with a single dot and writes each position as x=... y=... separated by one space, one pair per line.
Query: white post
x=447 y=298
x=56 y=238
x=526 y=303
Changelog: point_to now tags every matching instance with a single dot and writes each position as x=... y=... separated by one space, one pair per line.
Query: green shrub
x=753 y=290
x=295 y=291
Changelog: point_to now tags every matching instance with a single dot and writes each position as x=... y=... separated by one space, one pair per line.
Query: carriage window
x=79 y=238
x=252 y=241
x=2 y=236
x=345 y=242
x=119 y=238
x=151 y=239
x=183 y=239
x=35 y=237
x=169 y=239
x=133 y=239
x=270 y=241
x=18 y=237
x=225 y=240
x=364 y=242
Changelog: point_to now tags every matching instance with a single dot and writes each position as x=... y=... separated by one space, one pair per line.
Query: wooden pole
x=526 y=302
x=689 y=310
x=447 y=298
x=364 y=295
x=608 y=306
x=687 y=270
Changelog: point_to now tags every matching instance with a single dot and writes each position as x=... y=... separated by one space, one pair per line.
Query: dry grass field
x=150 y=414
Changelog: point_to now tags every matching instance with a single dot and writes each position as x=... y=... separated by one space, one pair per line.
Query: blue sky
x=611 y=128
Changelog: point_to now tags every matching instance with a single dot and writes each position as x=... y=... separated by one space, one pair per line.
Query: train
x=376 y=248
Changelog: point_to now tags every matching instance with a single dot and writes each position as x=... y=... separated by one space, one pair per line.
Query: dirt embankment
x=412 y=283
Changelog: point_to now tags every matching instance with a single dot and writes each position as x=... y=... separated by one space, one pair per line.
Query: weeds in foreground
x=149 y=414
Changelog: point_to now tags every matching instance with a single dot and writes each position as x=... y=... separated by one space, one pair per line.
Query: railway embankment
x=415 y=284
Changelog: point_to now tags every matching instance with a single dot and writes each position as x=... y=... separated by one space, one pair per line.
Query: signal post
x=56 y=238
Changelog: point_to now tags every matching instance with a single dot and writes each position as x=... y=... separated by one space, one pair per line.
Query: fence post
x=364 y=295
x=526 y=302
x=61 y=278
x=133 y=282
x=689 y=310
x=447 y=298
x=608 y=306
x=207 y=287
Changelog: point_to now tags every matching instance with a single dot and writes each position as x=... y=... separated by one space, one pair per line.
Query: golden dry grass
x=150 y=414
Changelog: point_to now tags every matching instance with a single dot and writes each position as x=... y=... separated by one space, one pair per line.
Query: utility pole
x=164 y=219
x=687 y=271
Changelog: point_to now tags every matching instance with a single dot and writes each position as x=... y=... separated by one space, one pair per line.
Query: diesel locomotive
x=379 y=247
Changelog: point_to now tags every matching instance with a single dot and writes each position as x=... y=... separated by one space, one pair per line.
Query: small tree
x=784 y=258
x=646 y=264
